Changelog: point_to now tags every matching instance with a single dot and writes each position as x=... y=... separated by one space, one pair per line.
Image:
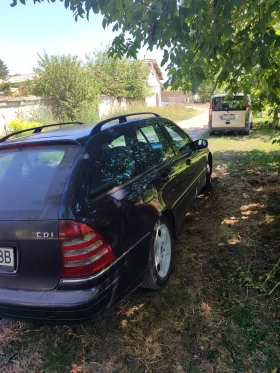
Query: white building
x=154 y=78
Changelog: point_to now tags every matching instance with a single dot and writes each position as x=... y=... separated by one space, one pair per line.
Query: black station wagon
x=87 y=213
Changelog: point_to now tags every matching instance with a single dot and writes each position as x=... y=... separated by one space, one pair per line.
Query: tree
x=4 y=71
x=117 y=77
x=65 y=80
x=228 y=39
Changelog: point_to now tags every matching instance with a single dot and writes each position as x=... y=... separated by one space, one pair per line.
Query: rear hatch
x=228 y=112
x=32 y=179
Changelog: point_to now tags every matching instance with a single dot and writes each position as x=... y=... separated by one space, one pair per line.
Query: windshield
x=228 y=103
x=32 y=180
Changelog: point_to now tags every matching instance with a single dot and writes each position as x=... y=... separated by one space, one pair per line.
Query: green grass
x=220 y=310
x=173 y=112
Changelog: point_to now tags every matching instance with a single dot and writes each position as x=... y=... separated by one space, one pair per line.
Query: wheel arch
x=169 y=215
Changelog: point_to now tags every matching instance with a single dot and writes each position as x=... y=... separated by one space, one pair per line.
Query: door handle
x=188 y=162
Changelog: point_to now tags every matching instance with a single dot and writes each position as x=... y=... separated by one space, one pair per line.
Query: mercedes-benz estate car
x=88 y=213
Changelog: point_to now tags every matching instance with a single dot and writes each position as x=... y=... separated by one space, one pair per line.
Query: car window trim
x=179 y=128
x=153 y=124
x=123 y=132
x=149 y=144
x=177 y=155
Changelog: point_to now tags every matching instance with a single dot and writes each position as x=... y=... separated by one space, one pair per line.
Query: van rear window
x=228 y=103
x=32 y=180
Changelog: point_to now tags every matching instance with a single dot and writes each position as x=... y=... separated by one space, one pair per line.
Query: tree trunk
x=275 y=117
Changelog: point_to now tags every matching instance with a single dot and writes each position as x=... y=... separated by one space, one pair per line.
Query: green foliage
x=41 y=114
x=264 y=281
x=88 y=113
x=18 y=125
x=4 y=71
x=5 y=86
x=236 y=41
x=69 y=84
x=117 y=77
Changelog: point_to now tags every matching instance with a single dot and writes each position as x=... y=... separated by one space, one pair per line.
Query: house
x=154 y=78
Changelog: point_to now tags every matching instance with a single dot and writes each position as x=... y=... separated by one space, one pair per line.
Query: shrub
x=64 y=79
x=18 y=125
x=6 y=87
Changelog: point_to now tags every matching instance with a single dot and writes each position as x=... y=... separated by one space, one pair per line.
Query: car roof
x=226 y=94
x=75 y=133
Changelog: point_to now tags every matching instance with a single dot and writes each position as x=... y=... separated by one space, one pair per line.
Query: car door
x=187 y=164
x=111 y=201
x=165 y=181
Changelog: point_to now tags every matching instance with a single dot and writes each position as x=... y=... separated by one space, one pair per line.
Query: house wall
x=23 y=107
x=154 y=83
x=176 y=97
x=17 y=108
x=109 y=104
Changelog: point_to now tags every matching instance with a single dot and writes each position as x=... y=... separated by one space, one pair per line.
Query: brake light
x=210 y=111
x=247 y=105
x=84 y=251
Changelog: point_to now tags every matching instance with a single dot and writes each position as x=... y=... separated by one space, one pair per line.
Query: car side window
x=115 y=165
x=148 y=156
x=181 y=141
x=158 y=142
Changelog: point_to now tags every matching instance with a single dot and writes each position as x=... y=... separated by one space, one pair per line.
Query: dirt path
x=197 y=125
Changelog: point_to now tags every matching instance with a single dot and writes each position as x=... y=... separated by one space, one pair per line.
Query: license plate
x=228 y=117
x=7 y=258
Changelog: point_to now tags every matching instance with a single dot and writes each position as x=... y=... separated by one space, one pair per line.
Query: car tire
x=208 y=183
x=160 y=256
x=211 y=133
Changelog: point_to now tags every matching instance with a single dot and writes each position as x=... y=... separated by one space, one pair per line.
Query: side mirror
x=201 y=144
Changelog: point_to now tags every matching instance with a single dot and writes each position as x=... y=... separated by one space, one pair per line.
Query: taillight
x=210 y=111
x=84 y=251
x=247 y=105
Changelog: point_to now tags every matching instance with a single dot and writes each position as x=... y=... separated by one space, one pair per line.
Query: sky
x=26 y=30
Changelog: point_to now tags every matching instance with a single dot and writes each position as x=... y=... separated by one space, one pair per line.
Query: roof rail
x=121 y=118
x=37 y=129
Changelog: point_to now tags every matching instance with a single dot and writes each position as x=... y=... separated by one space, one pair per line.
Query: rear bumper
x=229 y=128
x=59 y=306
x=77 y=300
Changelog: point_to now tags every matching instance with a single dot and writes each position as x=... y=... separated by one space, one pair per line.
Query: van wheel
x=160 y=255
x=211 y=133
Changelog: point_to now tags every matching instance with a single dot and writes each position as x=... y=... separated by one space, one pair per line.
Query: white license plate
x=7 y=258
x=228 y=117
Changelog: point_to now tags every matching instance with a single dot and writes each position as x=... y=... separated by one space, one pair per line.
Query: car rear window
x=228 y=103
x=32 y=180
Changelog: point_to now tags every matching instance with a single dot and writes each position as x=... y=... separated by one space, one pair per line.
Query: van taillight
x=210 y=111
x=247 y=105
x=84 y=251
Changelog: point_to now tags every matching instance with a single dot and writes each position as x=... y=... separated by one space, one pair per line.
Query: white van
x=230 y=113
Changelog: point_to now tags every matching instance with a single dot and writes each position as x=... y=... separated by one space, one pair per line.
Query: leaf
x=104 y=23
x=119 y=5
x=165 y=57
x=22 y=1
x=228 y=30
x=158 y=8
x=255 y=58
